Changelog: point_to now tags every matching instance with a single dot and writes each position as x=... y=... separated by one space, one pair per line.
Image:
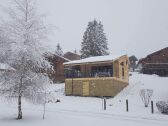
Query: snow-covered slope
x=88 y=110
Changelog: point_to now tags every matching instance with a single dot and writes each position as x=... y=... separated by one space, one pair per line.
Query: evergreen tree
x=75 y=51
x=94 y=41
x=58 y=50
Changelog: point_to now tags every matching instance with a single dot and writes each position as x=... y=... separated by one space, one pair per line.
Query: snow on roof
x=5 y=67
x=95 y=59
x=51 y=54
x=63 y=57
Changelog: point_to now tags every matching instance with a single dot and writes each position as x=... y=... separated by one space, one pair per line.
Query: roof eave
x=95 y=62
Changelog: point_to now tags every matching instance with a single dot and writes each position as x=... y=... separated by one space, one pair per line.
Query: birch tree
x=25 y=31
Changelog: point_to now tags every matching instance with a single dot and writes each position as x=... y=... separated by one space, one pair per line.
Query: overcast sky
x=135 y=27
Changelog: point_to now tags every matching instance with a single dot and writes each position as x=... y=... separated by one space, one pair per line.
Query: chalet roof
x=53 y=55
x=72 y=56
x=71 y=53
x=62 y=57
x=95 y=59
x=166 y=48
x=158 y=53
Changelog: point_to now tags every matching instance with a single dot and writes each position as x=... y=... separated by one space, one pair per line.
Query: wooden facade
x=57 y=74
x=98 y=78
x=160 y=69
x=156 y=63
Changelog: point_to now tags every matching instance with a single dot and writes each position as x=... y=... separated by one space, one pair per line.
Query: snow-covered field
x=87 y=111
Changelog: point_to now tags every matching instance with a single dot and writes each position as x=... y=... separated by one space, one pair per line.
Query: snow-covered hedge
x=162 y=106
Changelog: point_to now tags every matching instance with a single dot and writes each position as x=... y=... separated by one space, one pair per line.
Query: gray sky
x=135 y=27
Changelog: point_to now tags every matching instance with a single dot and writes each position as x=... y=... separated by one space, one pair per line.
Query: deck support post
x=127 y=105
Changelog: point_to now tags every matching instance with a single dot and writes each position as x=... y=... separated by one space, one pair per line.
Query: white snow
x=95 y=59
x=87 y=111
x=5 y=67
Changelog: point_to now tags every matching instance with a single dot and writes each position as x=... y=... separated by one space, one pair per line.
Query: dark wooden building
x=57 y=74
x=72 y=56
x=156 y=63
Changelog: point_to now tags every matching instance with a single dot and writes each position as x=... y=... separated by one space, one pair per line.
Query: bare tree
x=24 y=31
x=146 y=95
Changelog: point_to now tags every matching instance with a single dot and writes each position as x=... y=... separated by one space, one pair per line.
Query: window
x=123 y=73
x=122 y=66
x=101 y=71
x=122 y=63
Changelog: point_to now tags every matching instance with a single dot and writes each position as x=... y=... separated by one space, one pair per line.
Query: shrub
x=146 y=95
x=162 y=106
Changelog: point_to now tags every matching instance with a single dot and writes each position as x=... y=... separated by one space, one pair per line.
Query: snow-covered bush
x=162 y=106
x=146 y=95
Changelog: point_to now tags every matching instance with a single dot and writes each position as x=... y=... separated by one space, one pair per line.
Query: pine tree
x=75 y=51
x=94 y=40
x=59 y=51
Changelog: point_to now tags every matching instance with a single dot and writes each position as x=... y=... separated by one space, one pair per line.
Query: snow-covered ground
x=82 y=111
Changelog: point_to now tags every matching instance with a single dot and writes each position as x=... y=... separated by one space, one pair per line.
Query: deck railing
x=78 y=74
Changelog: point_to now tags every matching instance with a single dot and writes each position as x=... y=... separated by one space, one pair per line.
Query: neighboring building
x=72 y=56
x=57 y=74
x=97 y=76
x=132 y=62
x=156 y=63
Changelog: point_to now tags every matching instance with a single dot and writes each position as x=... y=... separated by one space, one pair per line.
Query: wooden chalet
x=156 y=63
x=97 y=76
x=57 y=74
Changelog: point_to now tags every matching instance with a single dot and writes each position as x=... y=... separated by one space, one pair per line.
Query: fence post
x=104 y=103
x=152 y=109
x=127 y=105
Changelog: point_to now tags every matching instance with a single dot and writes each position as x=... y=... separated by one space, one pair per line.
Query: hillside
x=88 y=110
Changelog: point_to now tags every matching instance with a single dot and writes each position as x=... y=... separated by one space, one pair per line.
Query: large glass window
x=92 y=71
x=102 y=71
x=73 y=72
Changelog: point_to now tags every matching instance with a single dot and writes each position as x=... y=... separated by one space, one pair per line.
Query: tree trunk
x=19 y=107
x=20 y=100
